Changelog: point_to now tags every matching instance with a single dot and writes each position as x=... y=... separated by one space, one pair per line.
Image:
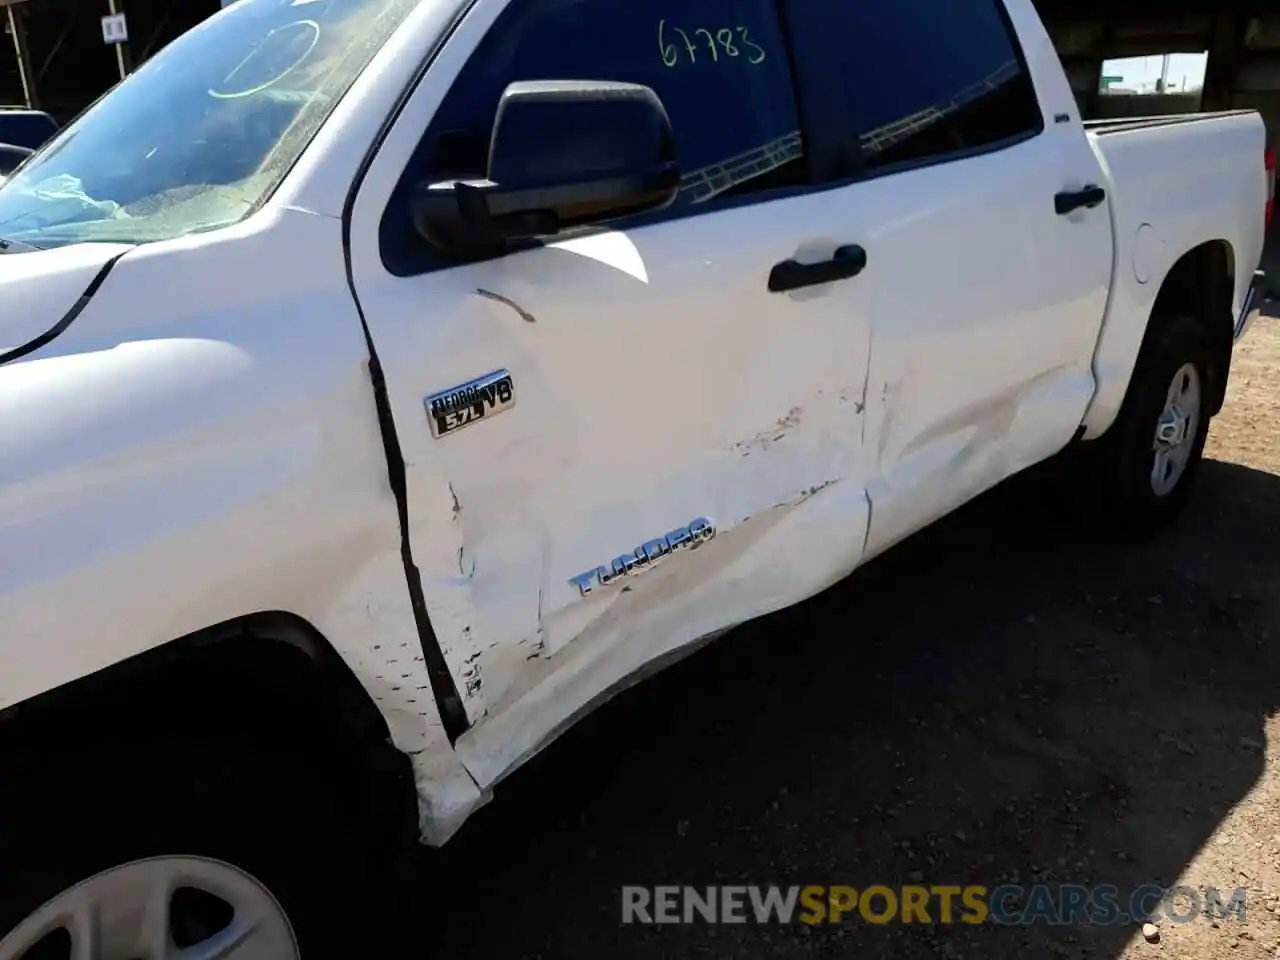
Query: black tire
x=272 y=814
x=1119 y=466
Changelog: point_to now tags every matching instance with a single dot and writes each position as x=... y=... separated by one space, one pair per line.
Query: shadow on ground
x=1002 y=699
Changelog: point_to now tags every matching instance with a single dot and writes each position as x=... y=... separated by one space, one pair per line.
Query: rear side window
x=916 y=79
x=720 y=67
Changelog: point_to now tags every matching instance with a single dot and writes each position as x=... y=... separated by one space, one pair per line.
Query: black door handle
x=1070 y=201
x=848 y=261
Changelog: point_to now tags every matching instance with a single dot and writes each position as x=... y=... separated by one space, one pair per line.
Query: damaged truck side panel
x=726 y=404
x=156 y=483
x=634 y=413
x=657 y=379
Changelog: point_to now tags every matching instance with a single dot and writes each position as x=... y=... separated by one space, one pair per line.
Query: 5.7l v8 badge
x=461 y=406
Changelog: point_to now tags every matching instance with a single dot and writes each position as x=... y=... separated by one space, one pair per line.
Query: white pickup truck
x=385 y=383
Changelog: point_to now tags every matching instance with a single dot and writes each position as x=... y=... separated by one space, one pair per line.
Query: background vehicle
x=26 y=128
x=22 y=132
x=365 y=423
x=10 y=157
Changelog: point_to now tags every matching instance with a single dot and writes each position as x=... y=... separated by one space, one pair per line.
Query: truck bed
x=1175 y=183
x=1120 y=124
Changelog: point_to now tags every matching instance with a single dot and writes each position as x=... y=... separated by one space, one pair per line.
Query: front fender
x=38 y=290
x=199 y=445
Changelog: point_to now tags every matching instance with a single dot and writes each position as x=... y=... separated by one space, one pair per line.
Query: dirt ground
x=1005 y=699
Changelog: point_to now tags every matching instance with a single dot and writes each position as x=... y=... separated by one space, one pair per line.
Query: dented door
x=618 y=443
x=988 y=302
x=680 y=450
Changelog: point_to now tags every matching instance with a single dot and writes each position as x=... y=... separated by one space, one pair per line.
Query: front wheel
x=1141 y=472
x=158 y=908
x=182 y=851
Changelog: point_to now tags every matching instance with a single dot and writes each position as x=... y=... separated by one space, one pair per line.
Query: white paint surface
x=202 y=443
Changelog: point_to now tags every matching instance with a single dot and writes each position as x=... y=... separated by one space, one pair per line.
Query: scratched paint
x=763 y=440
x=788 y=552
x=523 y=314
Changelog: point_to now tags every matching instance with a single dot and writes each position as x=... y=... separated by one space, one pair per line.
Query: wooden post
x=1227 y=55
x=18 y=29
x=1091 y=107
x=123 y=60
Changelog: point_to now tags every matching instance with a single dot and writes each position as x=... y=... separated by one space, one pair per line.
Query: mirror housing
x=562 y=154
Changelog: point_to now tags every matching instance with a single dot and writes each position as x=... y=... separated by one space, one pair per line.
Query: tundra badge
x=646 y=555
x=451 y=410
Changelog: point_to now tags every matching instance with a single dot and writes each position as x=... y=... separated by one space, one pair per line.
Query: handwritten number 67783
x=729 y=41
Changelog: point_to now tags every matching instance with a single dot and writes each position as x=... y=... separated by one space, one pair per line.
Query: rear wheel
x=1177 y=430
x=1141 y=473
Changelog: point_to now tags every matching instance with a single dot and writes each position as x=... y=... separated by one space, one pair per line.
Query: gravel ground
x=1005 y=699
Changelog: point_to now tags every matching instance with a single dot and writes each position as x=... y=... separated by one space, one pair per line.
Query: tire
x=272 y=816
x=1121 y=476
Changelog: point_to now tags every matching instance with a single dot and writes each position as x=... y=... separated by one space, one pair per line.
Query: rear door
x=988 y=301
x=649 y=381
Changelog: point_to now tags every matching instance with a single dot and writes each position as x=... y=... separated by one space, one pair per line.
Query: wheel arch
x=269 y=677
x=1201 y=284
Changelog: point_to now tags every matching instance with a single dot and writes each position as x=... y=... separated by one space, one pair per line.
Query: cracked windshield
x=203 y=132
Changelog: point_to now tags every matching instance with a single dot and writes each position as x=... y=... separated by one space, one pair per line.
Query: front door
x=652 y=445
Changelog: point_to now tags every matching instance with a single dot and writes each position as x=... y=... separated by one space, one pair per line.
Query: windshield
x=204 y=131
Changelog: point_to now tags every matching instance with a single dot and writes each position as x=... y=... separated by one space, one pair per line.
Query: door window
x=721 y=68
x=915 y=80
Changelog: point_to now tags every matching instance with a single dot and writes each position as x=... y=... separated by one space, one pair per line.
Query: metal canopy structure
x=61 y=62
x=63 y=55
x=15 y=28
x=1242 y=40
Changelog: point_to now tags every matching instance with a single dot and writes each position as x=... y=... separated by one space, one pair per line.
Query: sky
x=1141 y=73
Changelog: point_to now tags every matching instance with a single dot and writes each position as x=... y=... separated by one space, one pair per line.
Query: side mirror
x=563 y=153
